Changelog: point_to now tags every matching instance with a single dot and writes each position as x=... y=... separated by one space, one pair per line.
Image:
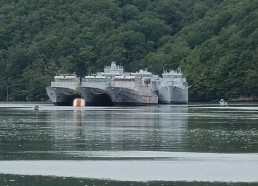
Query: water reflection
x=230 y=130
x=21 y=131
x=176 y=136
x=140 y=128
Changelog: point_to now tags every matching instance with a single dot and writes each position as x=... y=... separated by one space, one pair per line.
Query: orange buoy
x=78 y=102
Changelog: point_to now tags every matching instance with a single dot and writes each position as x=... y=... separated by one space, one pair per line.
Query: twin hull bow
x=95 y=96
x=173 y=94
x=61 y=96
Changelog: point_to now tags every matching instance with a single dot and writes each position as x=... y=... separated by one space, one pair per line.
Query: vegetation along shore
x=214 y=43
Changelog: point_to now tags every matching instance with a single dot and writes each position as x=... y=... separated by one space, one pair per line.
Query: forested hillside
x=214 y=42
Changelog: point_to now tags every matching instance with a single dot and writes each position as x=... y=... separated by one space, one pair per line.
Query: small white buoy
x=78 y=102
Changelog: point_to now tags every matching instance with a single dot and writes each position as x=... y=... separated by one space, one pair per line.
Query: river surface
x=195 y=144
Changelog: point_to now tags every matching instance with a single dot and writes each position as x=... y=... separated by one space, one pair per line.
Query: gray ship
x=62 y=91
x=173 y=88
x=135 y=89
x=93 y=87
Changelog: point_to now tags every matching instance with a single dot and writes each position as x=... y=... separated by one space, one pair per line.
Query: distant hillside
x=218 y=53
x=214 y=42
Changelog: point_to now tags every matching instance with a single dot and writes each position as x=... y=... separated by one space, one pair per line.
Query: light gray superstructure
x=173 y=88
x=135 y=89
x=62 y=91
x=93 y=87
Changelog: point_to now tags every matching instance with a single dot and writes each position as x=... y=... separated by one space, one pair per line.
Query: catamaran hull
x=125 y=96
x=61 y=96
x=94 y=96
x=173 y=95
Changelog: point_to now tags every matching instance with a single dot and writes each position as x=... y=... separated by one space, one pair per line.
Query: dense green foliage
x=214 y=42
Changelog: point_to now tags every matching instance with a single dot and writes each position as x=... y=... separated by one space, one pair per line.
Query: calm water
x=190 y=145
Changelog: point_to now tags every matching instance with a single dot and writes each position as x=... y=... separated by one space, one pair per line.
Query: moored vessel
x=62 y=91
x=132 y=90
x=173 y=88
x=93 y=86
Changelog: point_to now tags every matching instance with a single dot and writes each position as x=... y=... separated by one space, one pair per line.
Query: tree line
x=214 y=43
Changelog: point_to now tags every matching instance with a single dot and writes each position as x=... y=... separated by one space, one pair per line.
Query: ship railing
x=95 y=85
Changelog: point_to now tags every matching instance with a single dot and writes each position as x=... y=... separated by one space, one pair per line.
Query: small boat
x=36 y=108
x=222 y=102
